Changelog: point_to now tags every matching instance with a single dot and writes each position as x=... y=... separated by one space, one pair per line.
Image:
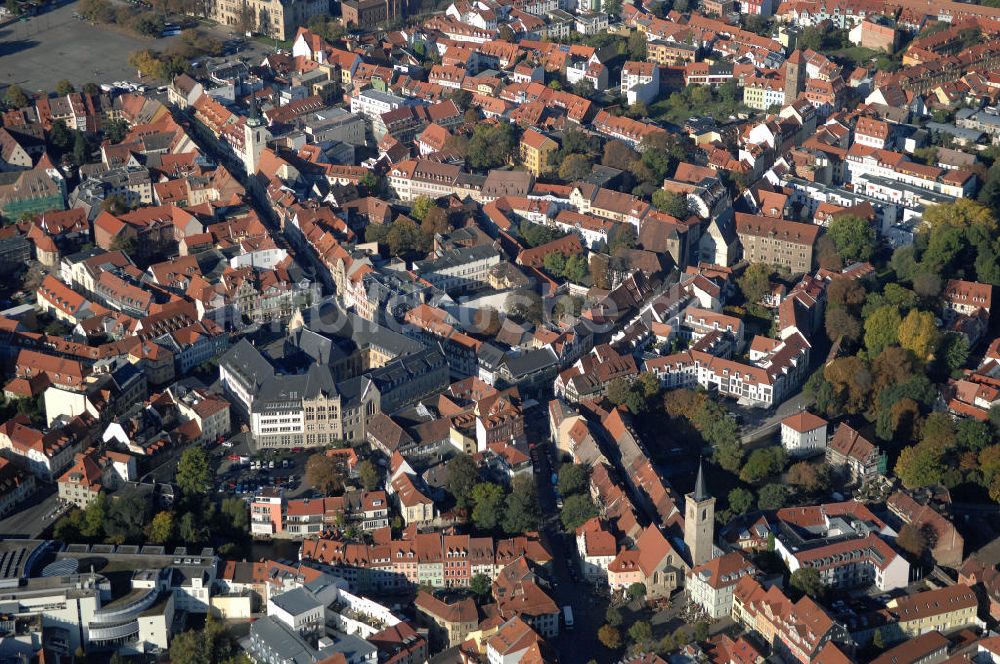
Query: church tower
x=255 y=137
x=699 y=522
x=795 y=76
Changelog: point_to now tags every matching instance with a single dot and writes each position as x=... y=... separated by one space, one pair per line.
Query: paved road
x=579 y=644
x=42 y=50
x=765 y=427
x=31 y=519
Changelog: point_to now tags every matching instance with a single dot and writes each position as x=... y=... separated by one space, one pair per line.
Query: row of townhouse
x=798 y=631
x=892 y=176
x=434 y=559
x=272 y=515
x=762 y=384
x=45 y=453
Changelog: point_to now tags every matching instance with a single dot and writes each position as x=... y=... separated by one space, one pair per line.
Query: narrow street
x=580 y=644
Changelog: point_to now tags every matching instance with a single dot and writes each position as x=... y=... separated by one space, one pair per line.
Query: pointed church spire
x=699 y=493
x=255 y=119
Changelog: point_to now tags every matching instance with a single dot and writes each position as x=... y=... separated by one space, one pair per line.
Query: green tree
x=672 y=203
x=536 y=234
x=641 y=632
x=126 y=519
x=526 y=305
x=81 y=149
x=882 y=329
x=939 y=431
x=962 y=213
x=368 y=475
x=610 y=637
x=622 y=236
x=839 y=322
x=579 y=142
x=324 y=473
x=613 y=616
x=577 y=268
x=918 y=333
x=701 y=631
x=194 y=476
x=373 y=184
x=577 y=510
x=15 y=97
x=763 y=463
x=161 y=528
x=637 y=45
x=853 y=236
x=404 y=238
x=919 y=466
x=481 y=586
x=64 y=87
x=808 y=582
x=926 y=284
x=772 y=497
x=463 y=476
x=573 y=478
x=235 y=515
x=740 y=501
x=191 y=530
x=636 y=591
x=522 y=512
x=124 y=244
x=421 y=206
x=809 y=477
x=618 y=154
x=973 y=434
x=94 y=517
x=70 y=526
x=943 y=248
x=574 y=167
x=491 y=145
x=755 y=282
x=115 y=130
x=729 y=455
x=211 y=645
x=487 y=501
x=60 y=137
x=554 y=263
x=904 y=262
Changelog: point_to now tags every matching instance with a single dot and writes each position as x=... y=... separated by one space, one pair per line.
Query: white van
x=568 y=616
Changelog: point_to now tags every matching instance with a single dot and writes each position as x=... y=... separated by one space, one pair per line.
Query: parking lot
x=242 y=472
x=42 y=50
x=32 y=518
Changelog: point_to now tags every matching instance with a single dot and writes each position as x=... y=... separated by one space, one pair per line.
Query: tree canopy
x=853 y=237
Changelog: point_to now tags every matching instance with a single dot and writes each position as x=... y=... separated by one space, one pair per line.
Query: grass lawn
x=855 y=54
x=270 y=42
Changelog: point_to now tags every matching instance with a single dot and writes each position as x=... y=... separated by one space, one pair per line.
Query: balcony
x=115 y=632
x=127 y=608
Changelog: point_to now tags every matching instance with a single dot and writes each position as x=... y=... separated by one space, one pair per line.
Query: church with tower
x=795 y=76
x=255 y=137
x=699 y=522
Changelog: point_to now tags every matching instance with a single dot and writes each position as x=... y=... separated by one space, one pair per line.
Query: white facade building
x=803 y=433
